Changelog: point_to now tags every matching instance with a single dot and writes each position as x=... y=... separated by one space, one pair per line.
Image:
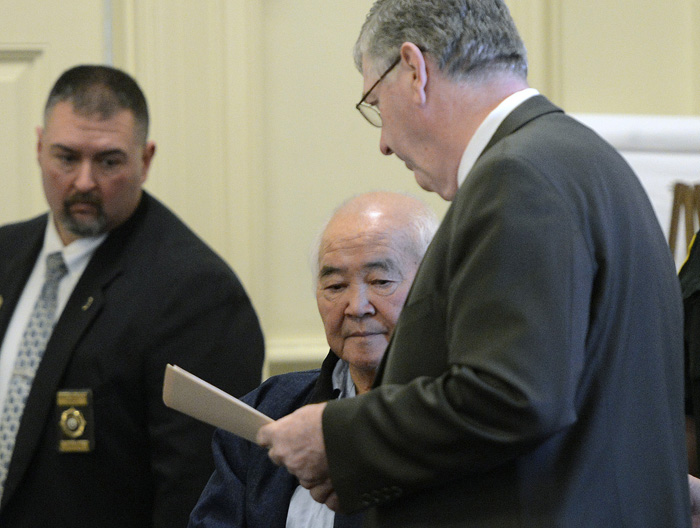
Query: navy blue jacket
x=247 y=489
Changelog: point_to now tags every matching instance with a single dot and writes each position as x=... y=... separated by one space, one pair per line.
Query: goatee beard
x=90 y=228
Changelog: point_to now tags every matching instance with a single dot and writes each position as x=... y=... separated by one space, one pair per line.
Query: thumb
x=264 y=436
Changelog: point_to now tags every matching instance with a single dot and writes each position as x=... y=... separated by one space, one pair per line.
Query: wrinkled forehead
x=361 y=253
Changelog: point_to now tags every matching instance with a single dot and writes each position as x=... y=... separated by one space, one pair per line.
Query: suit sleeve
x=208 y=327
x=488 y=348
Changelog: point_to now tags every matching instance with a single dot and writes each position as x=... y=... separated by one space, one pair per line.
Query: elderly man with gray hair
x=365 y=261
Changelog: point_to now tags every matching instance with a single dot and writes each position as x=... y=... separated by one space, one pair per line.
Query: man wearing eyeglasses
x=535 y=375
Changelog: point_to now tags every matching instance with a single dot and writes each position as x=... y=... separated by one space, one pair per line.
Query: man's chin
x=366 y=347
x=431 y=185
x=423 y=181
x=85 y=227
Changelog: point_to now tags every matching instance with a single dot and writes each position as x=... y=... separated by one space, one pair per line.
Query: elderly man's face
x=365 y=275
x=92 y=169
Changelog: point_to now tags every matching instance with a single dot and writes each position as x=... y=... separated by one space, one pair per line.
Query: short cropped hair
x=469 y=39
x=102 y=90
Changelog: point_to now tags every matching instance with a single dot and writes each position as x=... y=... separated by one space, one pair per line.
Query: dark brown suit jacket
x=535 y=377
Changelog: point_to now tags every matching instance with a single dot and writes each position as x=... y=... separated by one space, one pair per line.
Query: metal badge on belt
x=76 y=425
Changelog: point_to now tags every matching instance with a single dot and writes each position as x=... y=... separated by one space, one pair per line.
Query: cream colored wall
x=614 y=56
x=258 y=139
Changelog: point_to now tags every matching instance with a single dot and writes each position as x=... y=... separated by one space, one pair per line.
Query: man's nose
x=358 y=302
x=85 y=178
x=383 y=147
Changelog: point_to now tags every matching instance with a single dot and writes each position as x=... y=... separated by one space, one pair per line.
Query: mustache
x=83 y=198
x=356 y=330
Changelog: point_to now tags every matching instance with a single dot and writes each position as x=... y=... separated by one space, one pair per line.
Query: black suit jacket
x=535 y=376
x=153 y=293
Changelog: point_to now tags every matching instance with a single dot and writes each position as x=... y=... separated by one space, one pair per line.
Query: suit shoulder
x=160 y=237
x=20 y=232
x=24 y=226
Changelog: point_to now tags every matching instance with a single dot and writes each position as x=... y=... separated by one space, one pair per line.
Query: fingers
x=276 y=459
x=265 y=439
x=292 y=451
x=325 y=494
x=333 y=502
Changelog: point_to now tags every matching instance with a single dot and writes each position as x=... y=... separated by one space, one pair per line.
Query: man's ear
x=149 y=150
x=413 y=58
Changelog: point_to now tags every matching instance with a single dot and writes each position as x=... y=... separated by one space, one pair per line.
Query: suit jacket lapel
x=531 y=109
x=84 y=304
x=14 y=278
x=15 y=271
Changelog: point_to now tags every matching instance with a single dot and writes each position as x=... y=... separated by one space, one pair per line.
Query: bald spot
x=382 y=218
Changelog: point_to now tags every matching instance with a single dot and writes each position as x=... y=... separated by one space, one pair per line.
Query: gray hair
x=469 y=39
x=421 y=227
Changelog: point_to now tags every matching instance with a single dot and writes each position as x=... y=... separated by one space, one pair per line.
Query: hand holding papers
x=195 y=397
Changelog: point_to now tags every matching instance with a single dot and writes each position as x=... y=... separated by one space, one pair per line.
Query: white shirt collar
x=488 y=128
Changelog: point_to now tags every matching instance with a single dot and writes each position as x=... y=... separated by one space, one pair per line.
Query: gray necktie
x=31 y=349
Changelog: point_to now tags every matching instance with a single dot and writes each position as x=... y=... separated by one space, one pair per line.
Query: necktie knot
x=55 y=267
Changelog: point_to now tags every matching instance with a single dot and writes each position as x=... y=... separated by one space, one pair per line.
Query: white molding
x=662 y=150
x=647 y=133
x=243 y=104
x=288 y=354
x=295 y=349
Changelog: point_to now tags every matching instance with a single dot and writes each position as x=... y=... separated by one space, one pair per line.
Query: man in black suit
x=535 y=375
x=95 y=445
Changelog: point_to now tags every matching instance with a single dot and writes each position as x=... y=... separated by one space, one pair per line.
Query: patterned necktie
x=31 y=349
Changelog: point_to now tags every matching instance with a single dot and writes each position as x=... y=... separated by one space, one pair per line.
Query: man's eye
x=66 y=158
x=110 y=163
x=384 y=286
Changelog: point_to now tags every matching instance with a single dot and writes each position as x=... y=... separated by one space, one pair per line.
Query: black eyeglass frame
x=362 y=103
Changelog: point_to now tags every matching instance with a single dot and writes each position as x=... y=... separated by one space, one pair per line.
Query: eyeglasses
x=369 y=111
